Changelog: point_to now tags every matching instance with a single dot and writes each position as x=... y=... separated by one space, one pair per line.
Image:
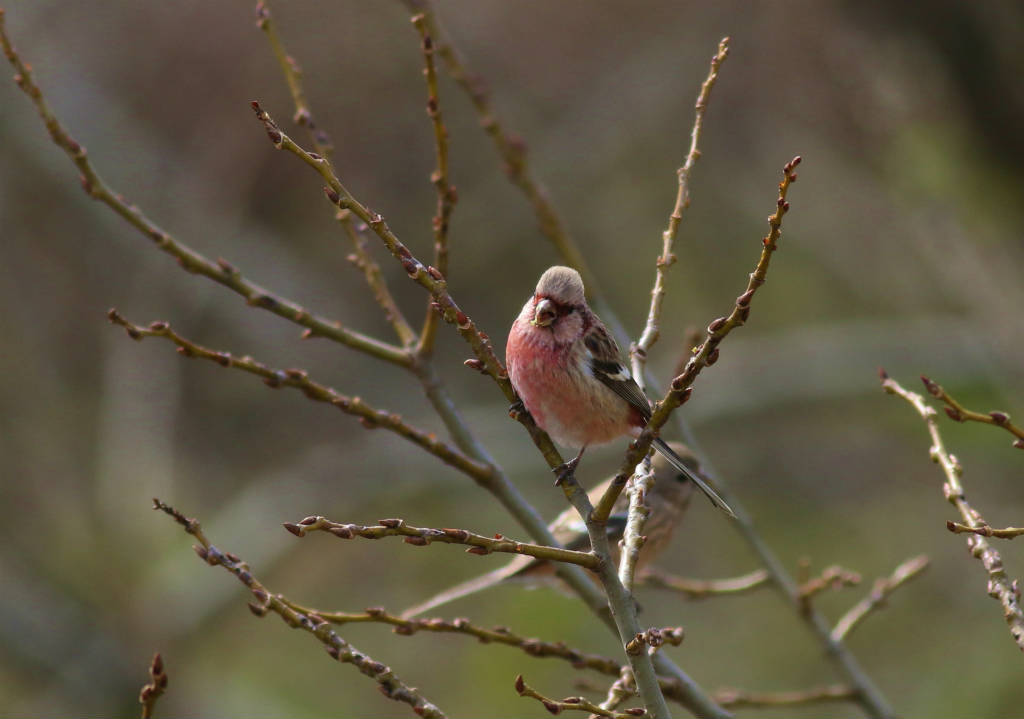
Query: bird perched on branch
x=667 y=499
x=566 y=368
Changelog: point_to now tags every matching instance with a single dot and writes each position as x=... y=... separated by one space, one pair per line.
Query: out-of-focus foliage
x=902 y=249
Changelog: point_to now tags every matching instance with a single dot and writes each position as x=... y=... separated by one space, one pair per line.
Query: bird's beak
x=544 y=314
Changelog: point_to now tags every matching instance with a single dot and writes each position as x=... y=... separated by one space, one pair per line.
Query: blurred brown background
x=903 y=249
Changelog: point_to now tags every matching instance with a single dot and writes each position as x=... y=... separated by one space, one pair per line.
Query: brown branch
x=446 y=194
x=621 y=690
x=293 y=76
x=639 y=351
x=831 y=577
x=1000 y=587
x=706 y=354
x=737 y=698
x=510 y=148
x=572 y=703
x=422 y=536
x=883 y=587
x=703 y=588
x=497 y=635
x=958 y=413
x=390 y=685
x=364 y=261
x=298 y=379
x=156 y=686
x=220 y=271
x=984 y=530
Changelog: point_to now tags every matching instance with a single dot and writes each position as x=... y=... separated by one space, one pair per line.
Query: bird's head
x=559 y=294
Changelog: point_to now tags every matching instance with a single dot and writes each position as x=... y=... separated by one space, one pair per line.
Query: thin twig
x=370 y=417
x=958 y=413
x=737 y=698
x=831 y=577
x=363 y=260
x=293 y=76
x=156 y=686
x=496 y=635
x=640 y=350
x=390 y=685
x=621 y=689
x=446 y=194
x=423 y=536
x=582 y=704
x=1000 y=587
x=707 y=353
x=883 y=587
x=220 y=271
x=703 y=588
x=984 y=530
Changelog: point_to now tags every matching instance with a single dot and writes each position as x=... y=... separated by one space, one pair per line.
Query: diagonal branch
x=390 y=685
x=639 y=351
x=958 y=413
x=423 y=536
x=496 y=635
x=582 y=704
x=298 y=379
x=879 y=593
x=707 y=353
x=1000 y=586
x=220 y=271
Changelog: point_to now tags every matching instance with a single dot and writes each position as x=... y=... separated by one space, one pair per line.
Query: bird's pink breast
x=565 y=401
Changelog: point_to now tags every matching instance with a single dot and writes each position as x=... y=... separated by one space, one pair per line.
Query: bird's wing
x=606 y=366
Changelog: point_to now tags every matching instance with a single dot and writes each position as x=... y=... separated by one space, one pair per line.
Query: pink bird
x=568 y=372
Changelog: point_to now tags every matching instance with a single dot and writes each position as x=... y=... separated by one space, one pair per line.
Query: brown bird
x=667 y=499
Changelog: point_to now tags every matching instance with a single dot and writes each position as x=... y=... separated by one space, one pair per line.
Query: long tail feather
x=678 y=463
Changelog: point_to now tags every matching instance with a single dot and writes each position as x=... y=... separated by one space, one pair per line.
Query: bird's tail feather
x=470 y=586
x=703 y=484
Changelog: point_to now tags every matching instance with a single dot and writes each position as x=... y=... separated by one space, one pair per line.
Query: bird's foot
x=567 y=469
x=517 y=409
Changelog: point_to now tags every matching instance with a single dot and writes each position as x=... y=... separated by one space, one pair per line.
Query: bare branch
x=639 y=351
x=707 y=353
x=1000 y=587
x=736 y=698
x=879 y=593
x=703 y=588
x=299 y=379
x=293 y=76
x=390 y=685
x=446 y=194
x=984 y=530
x=958 y=413
x=422 y=536
x=831 y=577
x=496 y=635
x=572 y=703
x=220 y=271
x=156 y=686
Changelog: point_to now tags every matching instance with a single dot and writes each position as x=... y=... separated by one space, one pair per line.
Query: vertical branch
x=638 y=352
x=446 y=195
x=293 y=76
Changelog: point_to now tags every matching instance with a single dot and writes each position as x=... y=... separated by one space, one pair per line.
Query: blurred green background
x=903 y=249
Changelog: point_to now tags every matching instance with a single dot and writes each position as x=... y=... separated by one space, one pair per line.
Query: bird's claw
x=566 y=470
x=517 y=409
